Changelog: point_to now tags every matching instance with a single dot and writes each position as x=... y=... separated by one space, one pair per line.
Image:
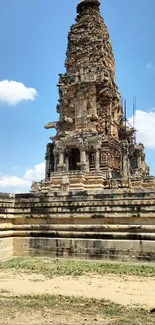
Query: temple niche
x=93 y=147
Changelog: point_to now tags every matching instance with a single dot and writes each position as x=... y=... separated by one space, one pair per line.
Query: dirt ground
x=53 y=318
x=124 y=290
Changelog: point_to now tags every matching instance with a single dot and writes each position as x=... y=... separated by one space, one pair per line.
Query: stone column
x=139 y=165
x=97 y=160
x=61 y=165
x=66 y=163
x=83 y=156
x=83 y=162
x=125 y=165
x=55 y=163
x=47 y=169
x=139 y=160
x=47 y=165
x=87 y=162
x=61 y=158
x=125 y=161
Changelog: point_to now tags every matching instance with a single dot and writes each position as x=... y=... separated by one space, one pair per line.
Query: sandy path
x=124 y=290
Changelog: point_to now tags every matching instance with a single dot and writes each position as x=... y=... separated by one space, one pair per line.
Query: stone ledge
x=85 y=249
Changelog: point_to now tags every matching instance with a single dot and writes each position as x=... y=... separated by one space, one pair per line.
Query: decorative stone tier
x=68 y=181
x=113 y=224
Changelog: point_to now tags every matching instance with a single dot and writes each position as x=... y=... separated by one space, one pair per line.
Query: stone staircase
x=105 y=224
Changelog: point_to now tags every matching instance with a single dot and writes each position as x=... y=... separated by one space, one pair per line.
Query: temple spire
x=93 y=145
x=87 y=3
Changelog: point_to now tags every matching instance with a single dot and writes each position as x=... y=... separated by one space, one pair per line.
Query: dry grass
x=57 y=309
x=63 y=267
x=88 y=309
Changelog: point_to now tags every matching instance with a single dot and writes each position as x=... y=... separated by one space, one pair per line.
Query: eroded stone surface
x=114 y=224
x=93 y=147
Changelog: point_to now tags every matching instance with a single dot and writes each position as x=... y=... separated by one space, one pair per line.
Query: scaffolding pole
x=134 y=117
x=126 y=143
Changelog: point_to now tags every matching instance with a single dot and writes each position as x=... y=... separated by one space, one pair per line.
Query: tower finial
x=86 y=3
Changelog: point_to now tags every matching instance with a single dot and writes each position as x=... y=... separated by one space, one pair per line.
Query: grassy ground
x=43 y=309
x=108 y=312
x=62 y=267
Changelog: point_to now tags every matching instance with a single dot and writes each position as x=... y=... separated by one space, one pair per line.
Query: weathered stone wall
x=6 y=248
x=6 y=229
x=115 y=224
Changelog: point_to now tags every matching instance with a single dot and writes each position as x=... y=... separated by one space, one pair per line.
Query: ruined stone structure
x=93 y=147
x=113 y=224
x=97 y=199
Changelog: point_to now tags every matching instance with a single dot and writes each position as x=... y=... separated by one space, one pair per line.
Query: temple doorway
x=74 y=159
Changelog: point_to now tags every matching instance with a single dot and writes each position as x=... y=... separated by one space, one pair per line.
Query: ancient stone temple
x=94 y=147
x=97 y=199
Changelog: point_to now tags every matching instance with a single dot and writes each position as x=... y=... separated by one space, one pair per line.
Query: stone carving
x=68 y=120
x=91 y=135
x=51 y=125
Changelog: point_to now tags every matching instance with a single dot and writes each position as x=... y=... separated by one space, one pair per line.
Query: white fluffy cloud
x=13 y=92
x=22 y=184
x=35 y=174
x=149 y=65
x=145 y=126
x=13 y=181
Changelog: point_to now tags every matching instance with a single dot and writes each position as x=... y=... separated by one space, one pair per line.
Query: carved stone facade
x=93 y=147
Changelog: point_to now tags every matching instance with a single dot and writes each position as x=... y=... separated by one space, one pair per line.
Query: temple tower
x=93 y=143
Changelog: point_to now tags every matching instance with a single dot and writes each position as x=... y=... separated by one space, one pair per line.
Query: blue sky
x=33 y=37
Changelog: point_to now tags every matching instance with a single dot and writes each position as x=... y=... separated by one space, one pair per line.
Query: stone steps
x=77 y=223
x=79 y=228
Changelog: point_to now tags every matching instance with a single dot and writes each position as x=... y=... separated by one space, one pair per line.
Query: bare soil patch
x=40 y=291
x=124 y=290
